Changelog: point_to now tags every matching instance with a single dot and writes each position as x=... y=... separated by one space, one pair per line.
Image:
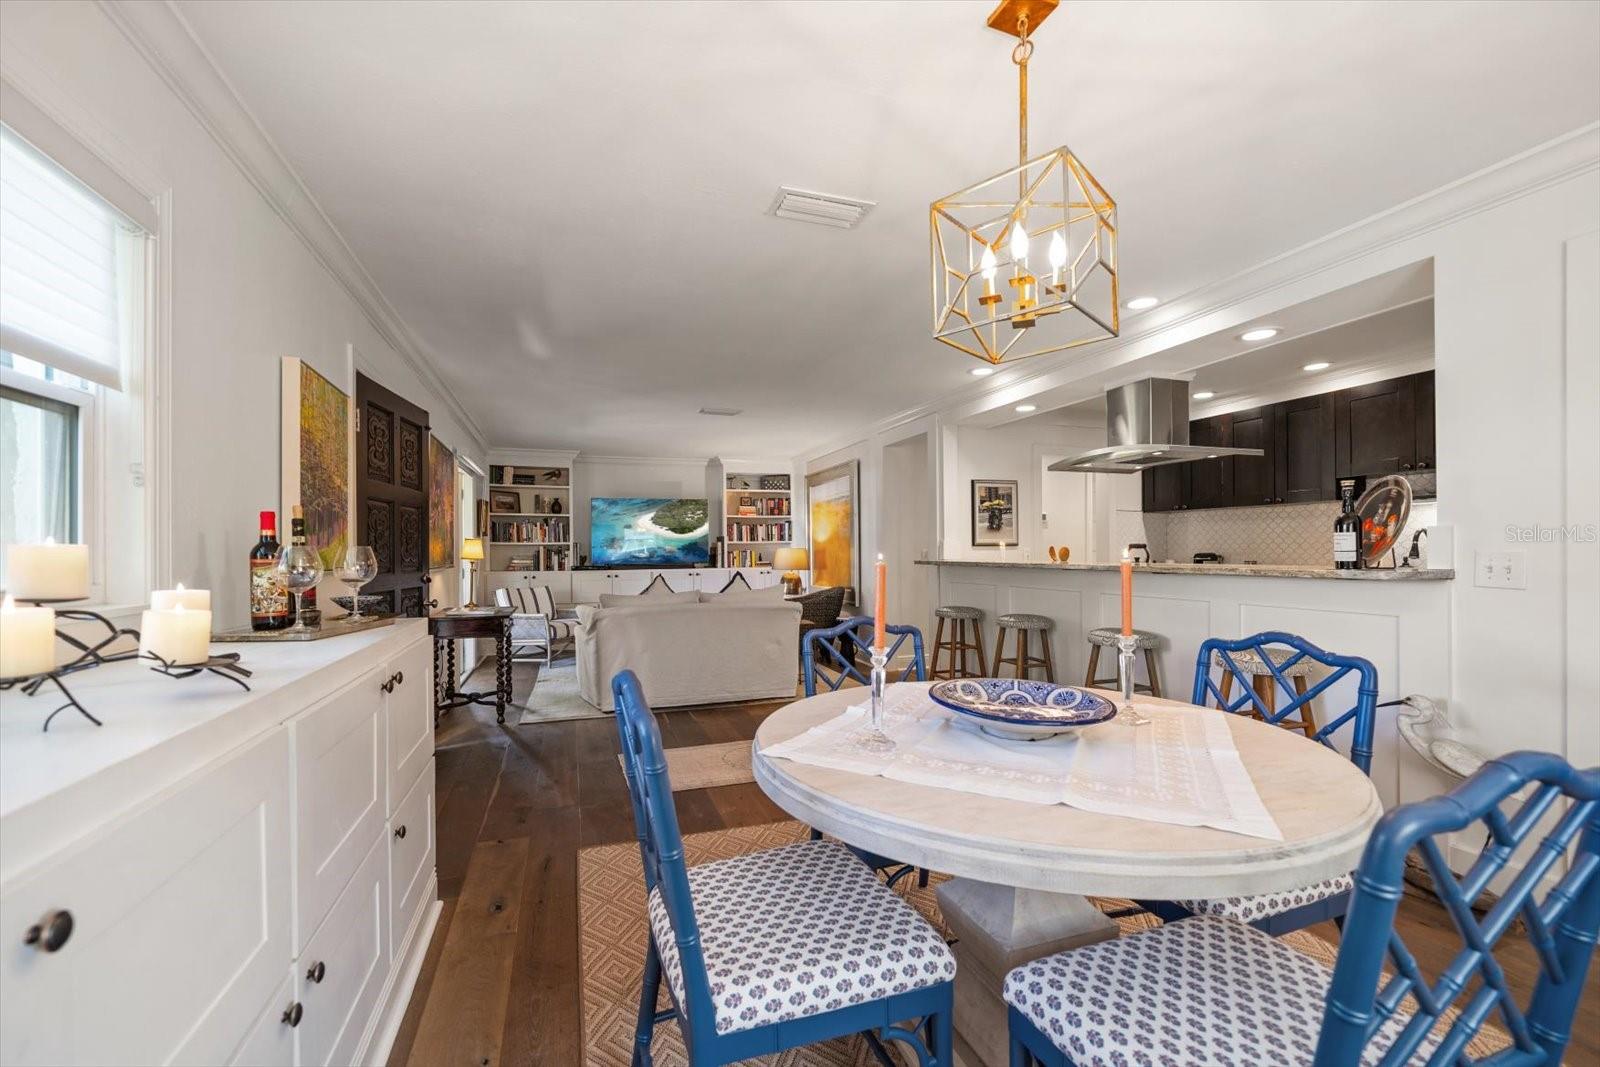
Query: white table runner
x=1182 y=768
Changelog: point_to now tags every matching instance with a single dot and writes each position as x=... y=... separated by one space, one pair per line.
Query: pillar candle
x=191 y=599
x=881 y=606
x=1127 y=595
x=27 y=640
x=48 y=571
x=180 y=636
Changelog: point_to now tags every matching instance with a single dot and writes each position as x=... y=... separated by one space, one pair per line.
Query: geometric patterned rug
x=611 y=930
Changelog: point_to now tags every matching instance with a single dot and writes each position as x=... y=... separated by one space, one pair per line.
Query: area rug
x=611 y=925
x=707 y=766
x=555 y=696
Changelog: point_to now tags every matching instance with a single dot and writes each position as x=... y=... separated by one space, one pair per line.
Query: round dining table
x=1021 y=872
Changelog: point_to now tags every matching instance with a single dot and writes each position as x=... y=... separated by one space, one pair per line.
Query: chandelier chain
x=1020 y=56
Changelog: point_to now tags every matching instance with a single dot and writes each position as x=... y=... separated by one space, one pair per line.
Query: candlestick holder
x=1126 y=644
x=32 y=683
x=873 y=737
x=224 y=666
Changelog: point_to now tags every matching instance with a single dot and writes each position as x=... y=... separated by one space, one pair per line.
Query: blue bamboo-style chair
x=829 y=656
x=776 y=949
x=1285 y=659
x=1213 y=991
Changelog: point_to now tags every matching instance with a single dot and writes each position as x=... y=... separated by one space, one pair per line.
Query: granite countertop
x=1220 y=570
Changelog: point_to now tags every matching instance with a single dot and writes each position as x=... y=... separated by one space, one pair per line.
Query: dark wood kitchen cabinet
x=1166 y=488
x=1426 y=459
x=1211 y=480
x=1303 y=447
x=1254 y=480
x=1375 y=428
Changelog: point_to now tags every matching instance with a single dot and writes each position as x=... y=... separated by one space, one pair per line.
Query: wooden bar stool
x=1106 y=637
x=1266 y=687
x=1023 y=624
x=958 y=646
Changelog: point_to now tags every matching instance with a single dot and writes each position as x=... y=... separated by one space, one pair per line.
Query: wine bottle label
x=268 y=598
x=1344 y=546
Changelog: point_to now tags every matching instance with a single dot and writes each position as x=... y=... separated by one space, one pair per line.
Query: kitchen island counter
x=1216 y=570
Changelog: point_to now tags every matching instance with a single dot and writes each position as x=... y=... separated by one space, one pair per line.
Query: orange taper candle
x=881 y=605
x=1127 y=594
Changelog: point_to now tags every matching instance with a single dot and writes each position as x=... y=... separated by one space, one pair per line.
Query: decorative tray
x=1022 y=710
x=338 y=627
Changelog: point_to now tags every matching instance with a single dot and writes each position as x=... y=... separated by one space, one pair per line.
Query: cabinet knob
x=1278 y=500
x=1266 y=500
x=51 y=932
x=292 y=1016
x=318 y=971
x=1405 y=466
x=388 y=685
x=400 y=832
x=399 y=677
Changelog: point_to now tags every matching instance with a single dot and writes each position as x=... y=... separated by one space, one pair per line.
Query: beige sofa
x=690 y=652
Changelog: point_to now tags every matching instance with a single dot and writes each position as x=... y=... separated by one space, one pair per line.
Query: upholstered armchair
x=537 y=625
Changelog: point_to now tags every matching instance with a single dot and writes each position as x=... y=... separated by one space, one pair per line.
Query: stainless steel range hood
x=1147 y=425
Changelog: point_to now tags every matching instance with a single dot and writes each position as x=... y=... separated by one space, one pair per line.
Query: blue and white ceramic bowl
x=1022 y=710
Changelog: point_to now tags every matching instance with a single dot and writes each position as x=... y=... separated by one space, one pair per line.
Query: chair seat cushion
x=1262 y=905
x=1200 y=991
x=1022 y=620
x=1106 y=636
x=958 y=611
x=1251 y=663
x=797 y=931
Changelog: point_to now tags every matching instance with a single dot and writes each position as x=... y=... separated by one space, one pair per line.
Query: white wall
x=908 y=532
x=241 y=289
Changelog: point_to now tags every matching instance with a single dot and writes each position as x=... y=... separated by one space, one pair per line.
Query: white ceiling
x=565 y=201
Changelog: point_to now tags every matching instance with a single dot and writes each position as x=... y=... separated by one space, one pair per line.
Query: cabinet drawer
x=344 y=966
x=339 y=760
x=270 y=1042
x=411 y=854
x=180 y=926
x=408 y=709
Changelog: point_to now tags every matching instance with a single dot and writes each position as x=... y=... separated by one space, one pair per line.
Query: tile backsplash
x=1299 y=534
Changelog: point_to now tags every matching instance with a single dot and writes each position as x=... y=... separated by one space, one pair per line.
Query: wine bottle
x=1347 y=533
x=269 y=603
x=308 y=599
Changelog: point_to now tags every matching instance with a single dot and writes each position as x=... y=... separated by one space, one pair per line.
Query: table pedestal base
x=998 y=928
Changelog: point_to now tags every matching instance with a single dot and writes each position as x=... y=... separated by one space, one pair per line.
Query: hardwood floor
x=515 y=805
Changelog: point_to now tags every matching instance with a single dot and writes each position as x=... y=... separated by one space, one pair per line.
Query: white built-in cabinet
x=266 y=909
x=588 y=585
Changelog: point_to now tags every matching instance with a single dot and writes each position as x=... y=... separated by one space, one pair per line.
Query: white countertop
x=56 y=786
x=1221 y=570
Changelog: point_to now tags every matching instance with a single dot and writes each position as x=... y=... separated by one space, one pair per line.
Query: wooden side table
x=446 y=628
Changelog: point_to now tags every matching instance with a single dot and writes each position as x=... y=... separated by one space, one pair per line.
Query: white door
x=179 y=926
x=1064 y=514
x=408 y=709
x=682 y=581
x=588 y=585
x=343 y=968
x=630 y=583
x=411 y=853
x=270 y=1042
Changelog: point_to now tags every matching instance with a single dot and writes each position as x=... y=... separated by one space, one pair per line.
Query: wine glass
x=358 y=567
x=299 y=569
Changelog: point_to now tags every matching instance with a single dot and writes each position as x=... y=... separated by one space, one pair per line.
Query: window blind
x=58 y=267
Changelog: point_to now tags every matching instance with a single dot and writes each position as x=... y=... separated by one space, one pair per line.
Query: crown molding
x=641 y=461
x=167 y=42
x=1557 y=160
x=533 y=457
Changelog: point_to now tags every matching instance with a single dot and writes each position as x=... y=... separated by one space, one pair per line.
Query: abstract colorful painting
x=441 y=505
x=316 y=458
x=834 y=506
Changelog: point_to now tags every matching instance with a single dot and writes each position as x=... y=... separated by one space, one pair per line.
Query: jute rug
x=611 y=924
x=705 y=766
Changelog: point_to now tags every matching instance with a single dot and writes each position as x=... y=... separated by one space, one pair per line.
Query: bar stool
x=1023 y=624
x=958 y=644
x=1266 y=687
x=1106 y=637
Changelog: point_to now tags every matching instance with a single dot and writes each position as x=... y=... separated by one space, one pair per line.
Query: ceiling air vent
x=823 y=209
x=722 y=411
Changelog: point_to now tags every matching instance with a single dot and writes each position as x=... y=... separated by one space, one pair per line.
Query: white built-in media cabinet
x=216 y=876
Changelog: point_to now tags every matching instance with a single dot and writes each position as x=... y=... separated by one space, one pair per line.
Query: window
x=72 y=300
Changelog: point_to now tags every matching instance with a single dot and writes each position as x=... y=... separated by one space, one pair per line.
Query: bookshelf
x=530 y=518
x=758 y=516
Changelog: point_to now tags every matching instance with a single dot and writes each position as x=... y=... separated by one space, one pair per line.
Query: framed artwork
x=441 y=504
x=833 y=500
x=503 y=501
x=994 y=513
x=316 y=450
x=482 y=528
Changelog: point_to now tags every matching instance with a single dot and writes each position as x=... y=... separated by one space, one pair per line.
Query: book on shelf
x=529 y=531
x=767 y=532
x=754 y=504
x=552 y=558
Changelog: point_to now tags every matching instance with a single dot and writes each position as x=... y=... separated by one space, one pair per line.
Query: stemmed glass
x=299 y=569
x=358 y=567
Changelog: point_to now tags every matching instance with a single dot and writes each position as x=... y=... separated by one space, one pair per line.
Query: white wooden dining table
x=1022 y=871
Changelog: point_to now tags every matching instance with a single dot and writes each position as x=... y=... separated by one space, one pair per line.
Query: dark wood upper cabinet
x=1375 y=428
x=1165 y=487
x=1211 y=480
x=1426 y=459
x=1304 y=446
x=1254 y=476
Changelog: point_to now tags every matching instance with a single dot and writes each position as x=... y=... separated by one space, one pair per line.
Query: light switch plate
x=1500 y=570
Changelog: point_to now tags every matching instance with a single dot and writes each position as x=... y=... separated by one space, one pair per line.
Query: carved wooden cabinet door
x=392 y=495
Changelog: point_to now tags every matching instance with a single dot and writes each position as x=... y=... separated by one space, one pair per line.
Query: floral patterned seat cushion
x=798 y=931
x=1262 y=905
x=1203 y=991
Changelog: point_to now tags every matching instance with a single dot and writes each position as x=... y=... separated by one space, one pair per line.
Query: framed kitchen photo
x=505 y=501
x=994 y=513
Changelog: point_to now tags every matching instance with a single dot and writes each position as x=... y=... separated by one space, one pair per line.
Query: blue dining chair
x=1286 y=659
x=829 y=655
x=1214 y=991
x=777 y=949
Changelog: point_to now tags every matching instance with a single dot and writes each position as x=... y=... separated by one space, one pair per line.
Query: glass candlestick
x=872 y=737
x=1126 y=644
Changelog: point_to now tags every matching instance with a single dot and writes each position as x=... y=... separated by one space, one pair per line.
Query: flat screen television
x=632 y=531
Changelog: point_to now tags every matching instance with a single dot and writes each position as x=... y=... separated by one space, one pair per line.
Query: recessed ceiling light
x=725 y=412
x=981 y=372
x=1263 y=333
x=1025 y=408
x=1140 y=303
x=1204 y=394
x=1319 y=365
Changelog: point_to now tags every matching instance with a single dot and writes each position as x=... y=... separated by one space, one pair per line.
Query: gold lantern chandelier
x=1025 y=262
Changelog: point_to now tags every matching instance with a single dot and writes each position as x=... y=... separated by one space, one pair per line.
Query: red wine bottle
x=1347 y=533
x=308 y=599
x=269 y=602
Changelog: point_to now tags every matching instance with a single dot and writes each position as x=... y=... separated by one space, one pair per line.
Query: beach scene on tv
x=641 y=531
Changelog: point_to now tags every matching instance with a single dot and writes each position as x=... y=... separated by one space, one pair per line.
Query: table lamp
x=792 y=561
x=472 y=552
